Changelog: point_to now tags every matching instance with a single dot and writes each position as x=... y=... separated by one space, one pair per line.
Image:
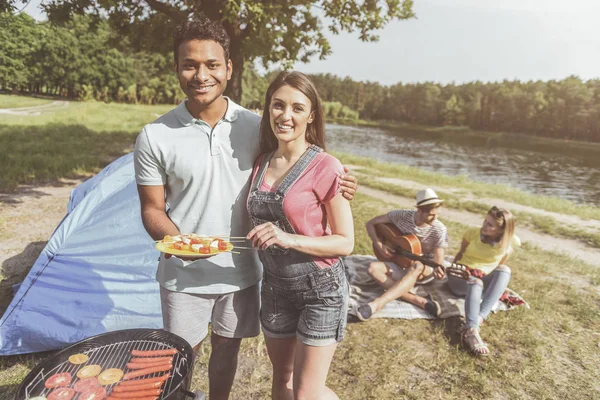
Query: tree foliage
x=78 y=61
x=86 y=57
x=272 y=31
x=568 y=108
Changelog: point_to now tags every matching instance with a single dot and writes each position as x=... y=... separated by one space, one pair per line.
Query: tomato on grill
x=95 y=393
x=85 y=384
x=56 y=380
x=61 y=393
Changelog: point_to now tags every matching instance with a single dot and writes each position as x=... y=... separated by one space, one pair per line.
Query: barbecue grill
x=112 y=350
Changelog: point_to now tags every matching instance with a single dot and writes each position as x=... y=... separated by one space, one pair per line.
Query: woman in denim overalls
x=302 y=225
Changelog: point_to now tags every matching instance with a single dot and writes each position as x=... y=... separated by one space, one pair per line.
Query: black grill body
x=112 y=350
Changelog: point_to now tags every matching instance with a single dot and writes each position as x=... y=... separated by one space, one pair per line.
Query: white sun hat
x=426 y=197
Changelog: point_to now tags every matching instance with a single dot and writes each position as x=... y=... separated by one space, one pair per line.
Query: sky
x=466 y=40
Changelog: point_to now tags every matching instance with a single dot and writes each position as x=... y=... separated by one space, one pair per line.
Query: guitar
x=407 y=248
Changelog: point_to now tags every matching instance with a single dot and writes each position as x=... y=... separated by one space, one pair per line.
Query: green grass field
x=539 y=223
x=12 y=101
x=74 y=141
x=551 y=351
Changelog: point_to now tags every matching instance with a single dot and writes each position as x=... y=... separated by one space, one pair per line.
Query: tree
x=10 y=5
x=18 y=43
x=272 y=31
x=452 y=112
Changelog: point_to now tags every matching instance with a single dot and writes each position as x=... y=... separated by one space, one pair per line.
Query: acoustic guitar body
x=391 y=237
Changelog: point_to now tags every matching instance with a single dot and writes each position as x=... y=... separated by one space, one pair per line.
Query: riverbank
x=466 y=135
x=543 y=214
x=462 y=134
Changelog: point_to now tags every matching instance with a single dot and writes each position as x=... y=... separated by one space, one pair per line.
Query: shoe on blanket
x=433 y=307
x=364 y=312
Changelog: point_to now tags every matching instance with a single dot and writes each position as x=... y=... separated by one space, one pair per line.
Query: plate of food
x=192 y=245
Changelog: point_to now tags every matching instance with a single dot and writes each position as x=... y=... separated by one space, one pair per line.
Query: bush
x=335 y=110
x=86 y=93
x=347 y=113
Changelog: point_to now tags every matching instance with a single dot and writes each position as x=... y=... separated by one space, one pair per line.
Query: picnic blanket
x=363 y=289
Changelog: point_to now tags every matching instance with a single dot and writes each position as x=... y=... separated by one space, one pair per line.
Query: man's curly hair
x=200 y=29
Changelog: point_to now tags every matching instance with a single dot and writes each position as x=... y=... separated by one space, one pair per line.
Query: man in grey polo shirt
x=195 y=162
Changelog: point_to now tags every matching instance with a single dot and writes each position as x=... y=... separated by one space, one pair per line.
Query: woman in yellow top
x=486 y=249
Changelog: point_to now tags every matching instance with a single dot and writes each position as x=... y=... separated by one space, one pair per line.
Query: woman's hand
x=267 y=234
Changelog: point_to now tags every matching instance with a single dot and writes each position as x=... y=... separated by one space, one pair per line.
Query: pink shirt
x=304 y=203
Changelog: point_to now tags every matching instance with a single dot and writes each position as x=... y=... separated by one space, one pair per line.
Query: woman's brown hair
x=315 y=131
x=505 y=219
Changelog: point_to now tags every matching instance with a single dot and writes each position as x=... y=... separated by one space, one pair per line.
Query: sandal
x=462 y=329
x=475 y=344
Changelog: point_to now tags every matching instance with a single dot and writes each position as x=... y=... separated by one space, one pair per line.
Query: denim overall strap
x=268 y=206
x=299 y=167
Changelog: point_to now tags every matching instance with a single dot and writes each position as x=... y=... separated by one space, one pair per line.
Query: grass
x=12 y=101
x=461 y=182
x=551 y=351
x=548 y=352
x=74 y=141
x=539 y=223
x=552 y=227
x=95 y=116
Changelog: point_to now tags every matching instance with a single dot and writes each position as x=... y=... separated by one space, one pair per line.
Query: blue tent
x=95 y=275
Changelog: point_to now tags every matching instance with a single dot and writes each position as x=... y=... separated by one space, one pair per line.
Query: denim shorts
x=311 y=307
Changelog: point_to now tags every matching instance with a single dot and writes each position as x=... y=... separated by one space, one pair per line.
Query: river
x=549 y=174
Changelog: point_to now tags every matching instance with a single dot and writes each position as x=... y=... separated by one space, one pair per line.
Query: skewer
x=227 y=236
x=244 y=248
x=233 y=240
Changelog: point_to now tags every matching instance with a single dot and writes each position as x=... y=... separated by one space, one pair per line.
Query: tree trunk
x=234 y=87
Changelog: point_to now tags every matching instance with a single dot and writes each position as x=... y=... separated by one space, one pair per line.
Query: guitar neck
x=415 y=257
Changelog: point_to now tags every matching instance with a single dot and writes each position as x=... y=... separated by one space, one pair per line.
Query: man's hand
x=439 y=273
x=267 y=234
x=385 y=251
x=349 y=185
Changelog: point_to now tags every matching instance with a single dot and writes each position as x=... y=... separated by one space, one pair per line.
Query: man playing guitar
x=398 y=281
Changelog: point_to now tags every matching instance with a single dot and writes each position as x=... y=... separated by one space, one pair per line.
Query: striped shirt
x=432 y=236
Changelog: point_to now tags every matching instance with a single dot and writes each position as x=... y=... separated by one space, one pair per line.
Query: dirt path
x=592 y=226
x=35 y=110
x=573 y=248
x=27 y=220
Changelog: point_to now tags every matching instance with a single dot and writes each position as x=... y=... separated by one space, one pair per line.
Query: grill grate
x=114 y=355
